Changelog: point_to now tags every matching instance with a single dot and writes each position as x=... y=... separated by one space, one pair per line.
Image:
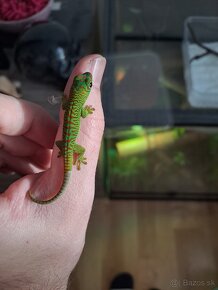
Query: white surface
x=203 y=83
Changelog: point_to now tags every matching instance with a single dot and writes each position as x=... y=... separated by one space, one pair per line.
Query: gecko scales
x=73 y=110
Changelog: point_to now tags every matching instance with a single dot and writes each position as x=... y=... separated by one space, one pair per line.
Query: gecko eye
x=90 y=85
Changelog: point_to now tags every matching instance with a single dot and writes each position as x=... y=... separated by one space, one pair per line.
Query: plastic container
x=200 y=55
x=132 y=90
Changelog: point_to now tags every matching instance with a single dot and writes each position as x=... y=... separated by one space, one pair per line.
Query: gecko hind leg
x=60 y=145
x=80 y=151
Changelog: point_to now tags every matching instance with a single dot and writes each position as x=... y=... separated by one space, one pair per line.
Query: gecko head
x=83 y=82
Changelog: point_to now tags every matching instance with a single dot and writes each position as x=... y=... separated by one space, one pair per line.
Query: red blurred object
x=20 y=9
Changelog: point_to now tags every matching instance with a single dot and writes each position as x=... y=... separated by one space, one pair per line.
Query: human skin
x=41 y=244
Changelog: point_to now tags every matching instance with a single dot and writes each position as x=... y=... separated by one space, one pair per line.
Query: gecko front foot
x=89 y=109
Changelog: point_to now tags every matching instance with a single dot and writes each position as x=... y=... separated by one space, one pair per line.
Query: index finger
x=20 y=117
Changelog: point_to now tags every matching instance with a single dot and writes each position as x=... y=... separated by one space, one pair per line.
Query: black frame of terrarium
x=190 y=117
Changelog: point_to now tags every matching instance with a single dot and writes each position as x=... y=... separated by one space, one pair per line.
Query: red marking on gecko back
x=70 y=122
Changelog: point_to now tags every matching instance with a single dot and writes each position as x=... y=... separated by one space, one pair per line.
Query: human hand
x=41 y=244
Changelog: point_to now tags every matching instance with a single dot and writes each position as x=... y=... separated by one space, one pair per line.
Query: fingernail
x=97 y=70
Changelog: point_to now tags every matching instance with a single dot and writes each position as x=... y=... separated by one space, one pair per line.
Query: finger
x=89 y=137
x=96 y=65
x=19 y=117
x=20 y=165
x=20 y=146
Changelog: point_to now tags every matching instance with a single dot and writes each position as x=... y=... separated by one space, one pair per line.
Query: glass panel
x=162 y=160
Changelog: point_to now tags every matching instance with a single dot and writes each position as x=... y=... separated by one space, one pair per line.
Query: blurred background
x=155 y=214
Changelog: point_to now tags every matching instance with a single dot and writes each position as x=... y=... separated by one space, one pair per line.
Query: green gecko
x=73 y=111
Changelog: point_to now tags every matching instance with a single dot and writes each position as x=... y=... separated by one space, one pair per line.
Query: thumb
x=89 y=137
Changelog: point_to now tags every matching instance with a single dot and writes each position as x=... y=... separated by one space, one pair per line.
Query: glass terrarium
x=159 y=143
x=162 y=163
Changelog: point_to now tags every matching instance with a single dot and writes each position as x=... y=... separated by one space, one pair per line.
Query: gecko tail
x=67 y=176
